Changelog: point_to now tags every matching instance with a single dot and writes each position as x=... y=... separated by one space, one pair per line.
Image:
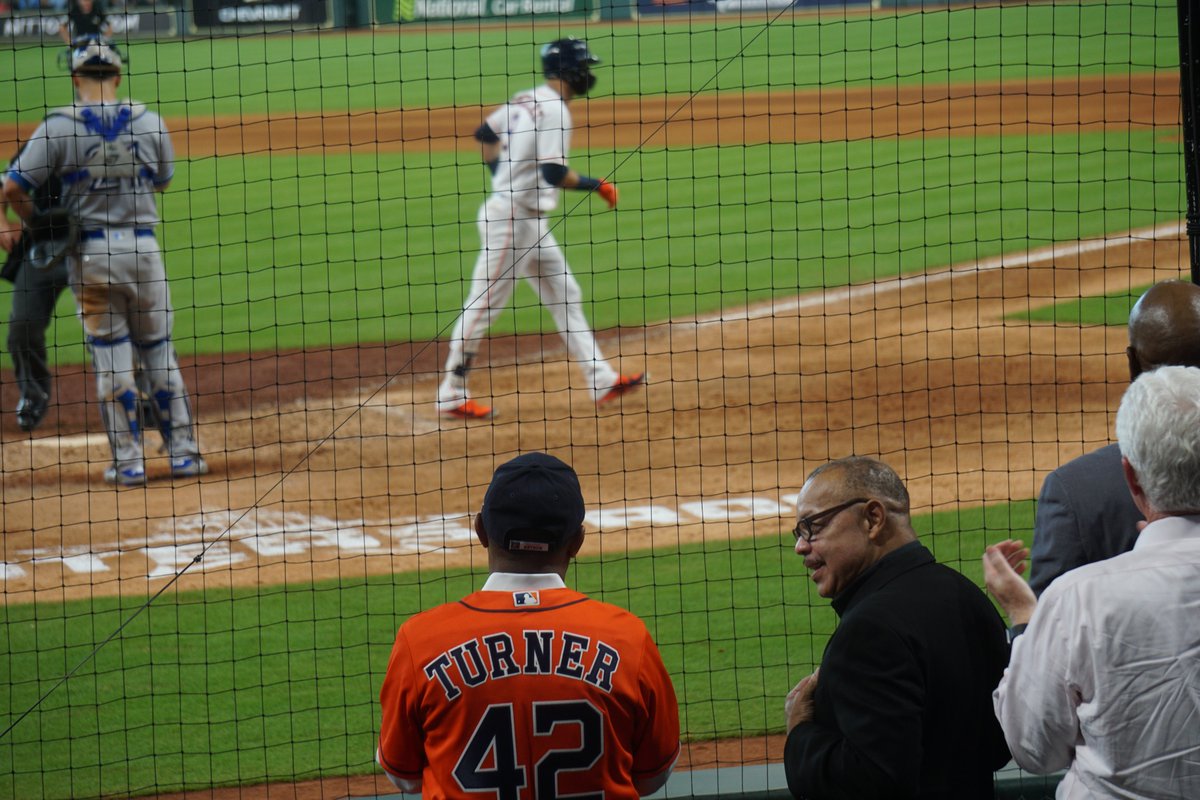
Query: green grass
x=1111 y=309
x=281 y=683
x=254 y=264
x=420 y=67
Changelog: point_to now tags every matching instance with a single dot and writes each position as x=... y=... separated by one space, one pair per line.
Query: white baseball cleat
x=188 y=466
x=132 y=475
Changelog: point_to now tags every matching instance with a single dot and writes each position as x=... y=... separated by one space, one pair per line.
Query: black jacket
x=903 y=705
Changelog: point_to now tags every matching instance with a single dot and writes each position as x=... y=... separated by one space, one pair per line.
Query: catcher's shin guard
x=117 y=392
x=168 y=397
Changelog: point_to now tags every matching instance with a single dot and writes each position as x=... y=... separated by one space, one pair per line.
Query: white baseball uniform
x=534 y=128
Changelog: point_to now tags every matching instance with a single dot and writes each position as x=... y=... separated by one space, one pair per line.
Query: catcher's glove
x=52 y=235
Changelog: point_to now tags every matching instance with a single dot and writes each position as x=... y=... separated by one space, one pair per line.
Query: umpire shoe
x=624 y=385
x=30 y=411
x=467 y=409
x=188 y=466
x=132 y=475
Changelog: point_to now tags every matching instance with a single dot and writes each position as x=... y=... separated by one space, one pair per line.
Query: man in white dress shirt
x=1105 y=680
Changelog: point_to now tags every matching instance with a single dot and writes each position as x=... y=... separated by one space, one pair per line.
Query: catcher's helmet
x=95 y=55
x=570 y=60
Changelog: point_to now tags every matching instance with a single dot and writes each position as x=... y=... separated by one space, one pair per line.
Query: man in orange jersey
x=527 y=689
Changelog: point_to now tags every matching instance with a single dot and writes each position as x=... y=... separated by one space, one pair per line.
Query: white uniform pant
x=517 y=243
x=120 y=287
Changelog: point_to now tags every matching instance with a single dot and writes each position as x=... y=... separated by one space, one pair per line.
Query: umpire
x=35 y=294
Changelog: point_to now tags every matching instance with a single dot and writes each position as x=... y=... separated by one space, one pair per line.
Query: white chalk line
x=1023 y=260
x=410 y=414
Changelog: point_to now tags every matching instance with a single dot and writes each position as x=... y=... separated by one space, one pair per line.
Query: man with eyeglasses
x=901 y=704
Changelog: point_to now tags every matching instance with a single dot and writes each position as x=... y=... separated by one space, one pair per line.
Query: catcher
x=113 y=156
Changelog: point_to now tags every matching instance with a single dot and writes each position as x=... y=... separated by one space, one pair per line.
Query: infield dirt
x=308 y=447
x=927 y=372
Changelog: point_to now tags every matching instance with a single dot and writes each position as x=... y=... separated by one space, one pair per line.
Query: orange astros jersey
x=527 y=695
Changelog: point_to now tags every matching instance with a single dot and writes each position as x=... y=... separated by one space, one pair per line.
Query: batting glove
x=608 y=192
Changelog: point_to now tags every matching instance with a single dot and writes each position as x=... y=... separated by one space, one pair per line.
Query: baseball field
x=913 y=235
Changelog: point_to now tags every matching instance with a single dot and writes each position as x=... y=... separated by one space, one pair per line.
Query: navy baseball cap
x=534 y=503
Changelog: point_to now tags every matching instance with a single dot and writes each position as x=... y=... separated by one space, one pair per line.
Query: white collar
x=513 y=581
x=1166 y=530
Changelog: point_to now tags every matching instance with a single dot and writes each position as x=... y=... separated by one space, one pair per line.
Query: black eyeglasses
x=804 y=526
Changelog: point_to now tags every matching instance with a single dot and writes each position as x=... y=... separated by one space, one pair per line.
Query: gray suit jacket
x=1084 y=514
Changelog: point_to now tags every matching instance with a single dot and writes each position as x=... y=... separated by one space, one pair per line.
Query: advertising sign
x=421 y=10
x=737 y=6
x=216 y=14
x=35 y=26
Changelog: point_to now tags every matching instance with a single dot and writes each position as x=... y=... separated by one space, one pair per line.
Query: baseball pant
x=518 y=243
x=35 y=294
x=120 y=287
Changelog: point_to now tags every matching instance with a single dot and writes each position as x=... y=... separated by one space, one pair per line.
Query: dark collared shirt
x=903 y=704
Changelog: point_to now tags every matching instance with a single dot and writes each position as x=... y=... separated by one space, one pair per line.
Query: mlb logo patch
x=526 y=599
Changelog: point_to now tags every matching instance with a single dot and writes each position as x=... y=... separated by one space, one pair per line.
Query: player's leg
x=35 y=293
x=172 y=412
x=151 y=319
x=560 y=293
x=101 y=297
x=112 y=360
x=491 y=287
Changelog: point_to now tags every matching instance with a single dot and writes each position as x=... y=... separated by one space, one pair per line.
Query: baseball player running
x=525 y=144
x=527 y=689
x=112 y=156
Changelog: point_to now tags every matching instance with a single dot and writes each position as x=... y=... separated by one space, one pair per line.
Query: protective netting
x=911 y=233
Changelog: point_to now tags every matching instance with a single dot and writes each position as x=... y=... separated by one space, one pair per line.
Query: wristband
x=587 y=184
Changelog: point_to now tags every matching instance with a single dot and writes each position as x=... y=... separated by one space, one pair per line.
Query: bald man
x=1085 y=512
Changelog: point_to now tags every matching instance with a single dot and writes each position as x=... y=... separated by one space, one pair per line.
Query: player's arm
x=406 y=785
x=658 y=747
x=29 y=170
x=165 y=169
x=17 y=198
x=401 y=751
x=489 y=144
x=565 y=177
x=10 y=229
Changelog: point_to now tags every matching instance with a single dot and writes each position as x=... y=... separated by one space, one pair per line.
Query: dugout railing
x=767 y=782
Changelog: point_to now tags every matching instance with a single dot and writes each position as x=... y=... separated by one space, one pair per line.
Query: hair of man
x=1158 y=429
x=1164 y=328
x=556 y=559
x=861 y=475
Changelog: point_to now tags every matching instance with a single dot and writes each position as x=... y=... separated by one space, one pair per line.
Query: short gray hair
x=1158 y=430
x=871 y=477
